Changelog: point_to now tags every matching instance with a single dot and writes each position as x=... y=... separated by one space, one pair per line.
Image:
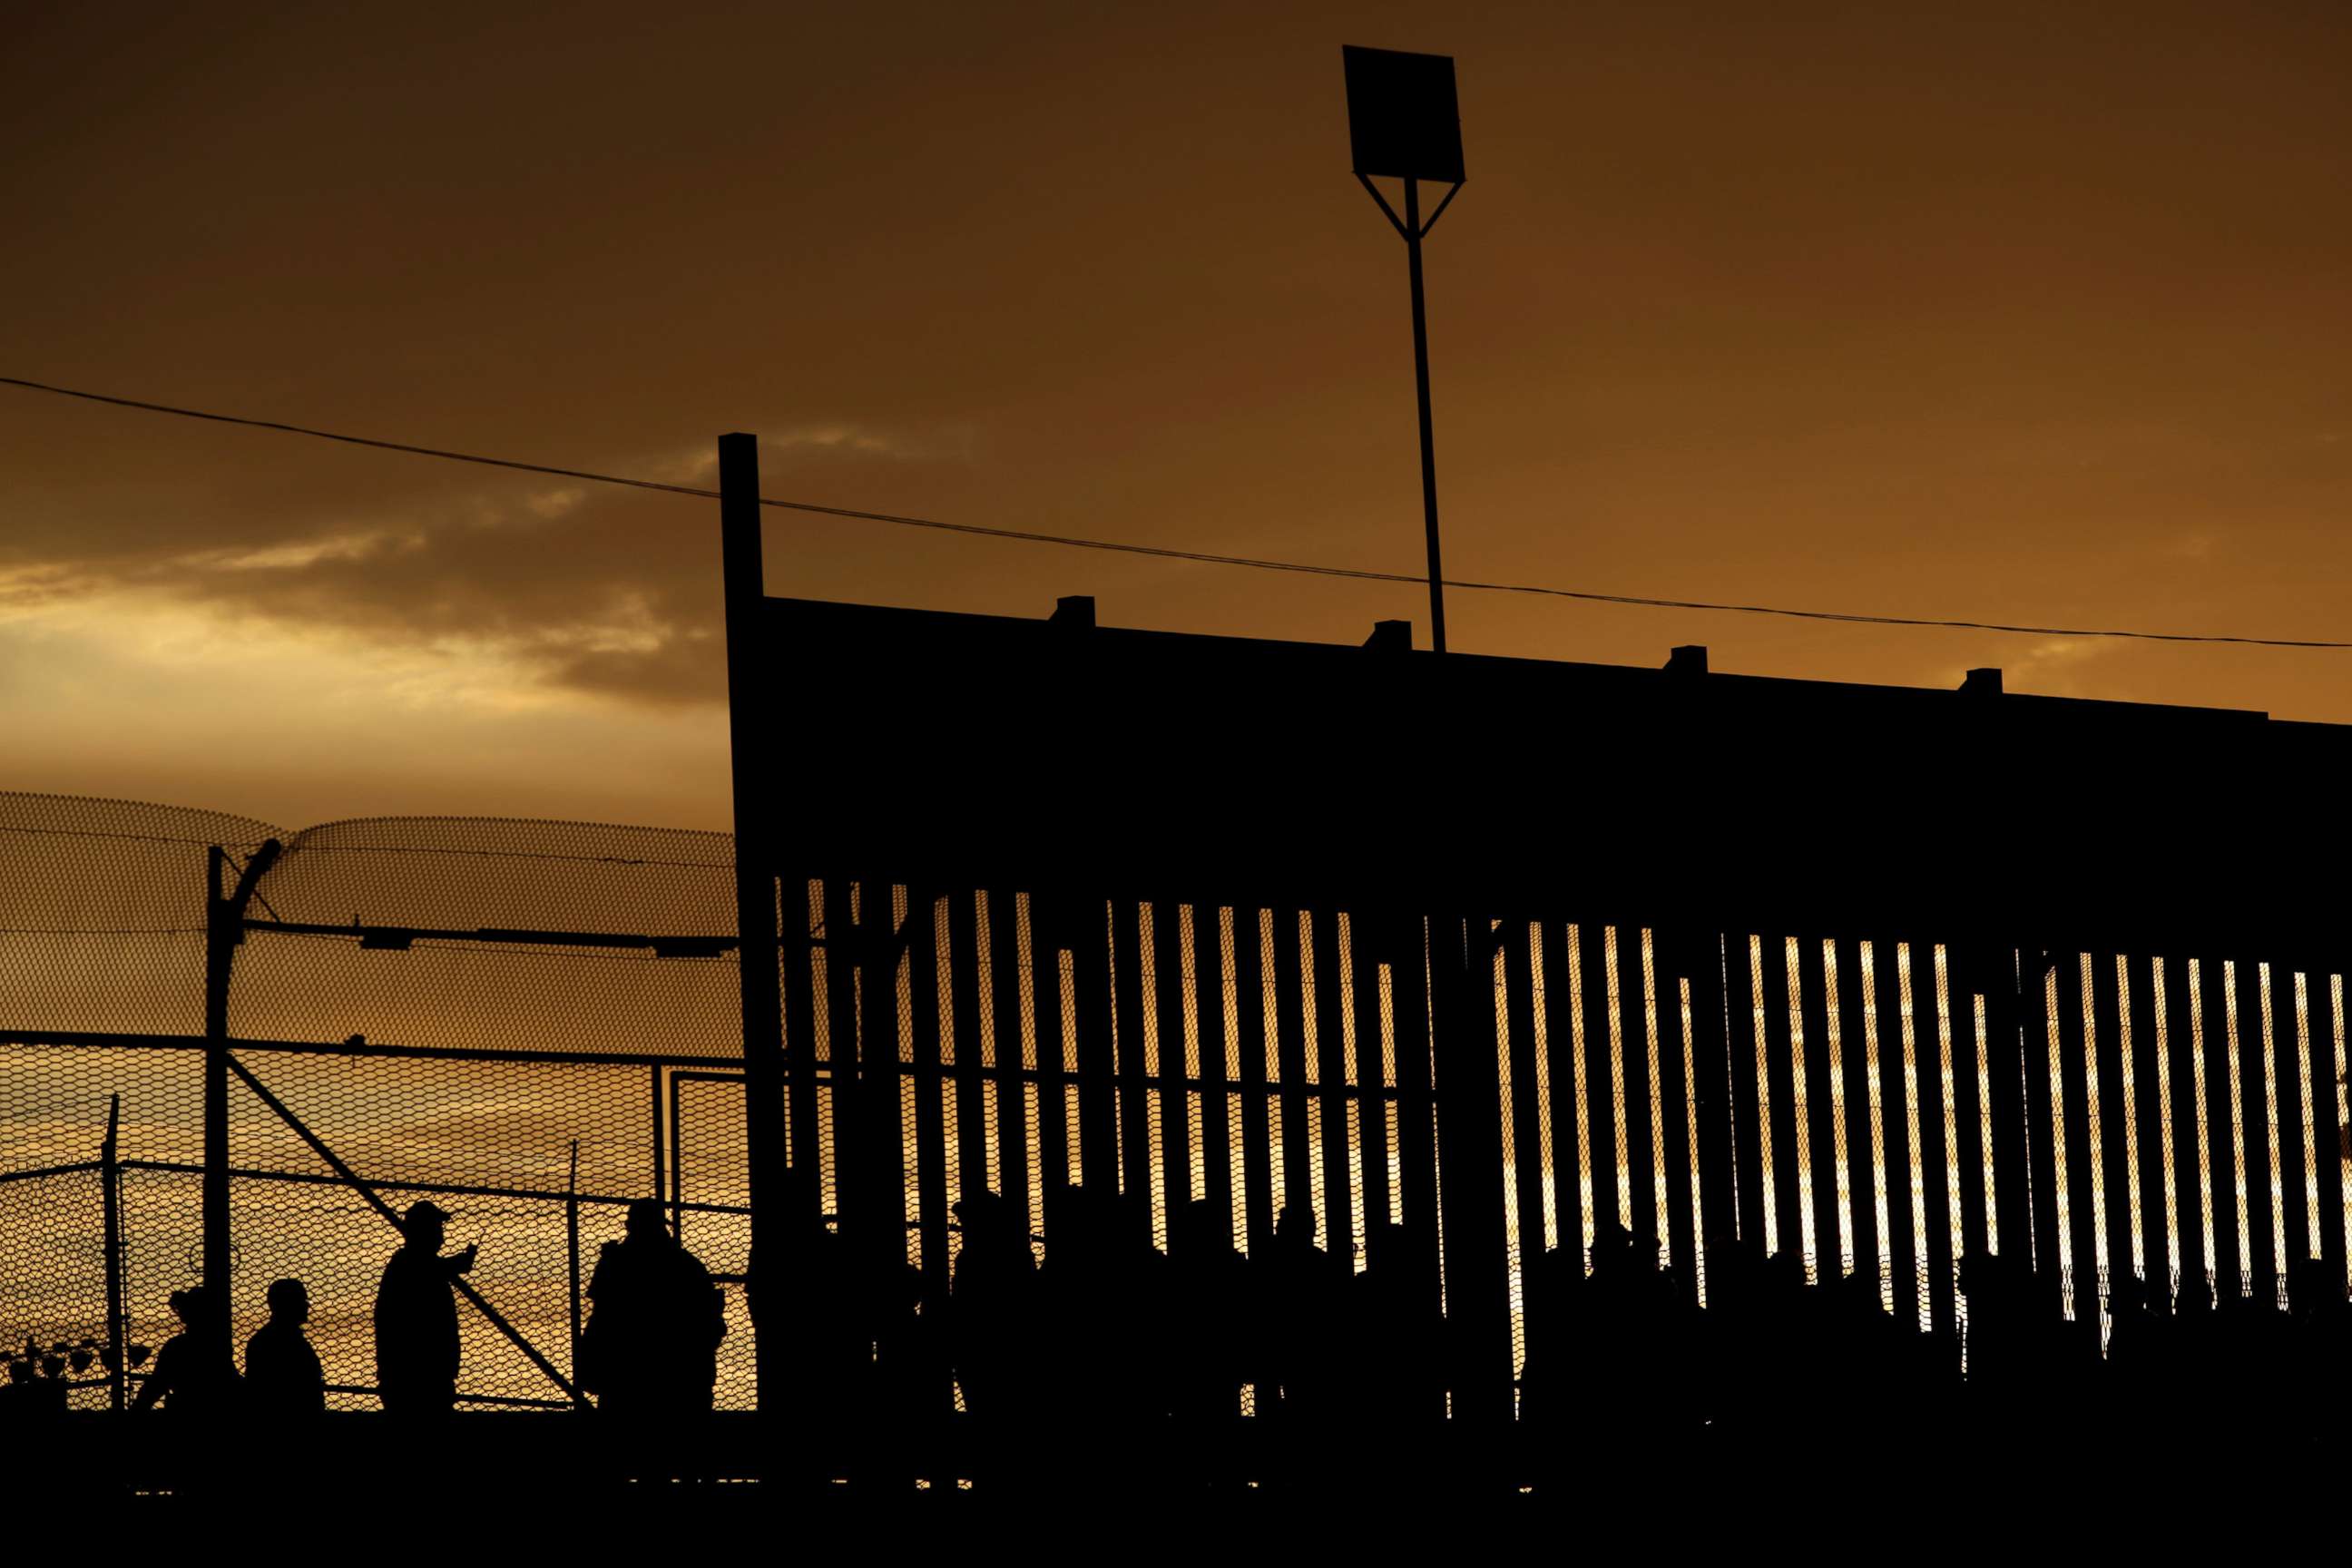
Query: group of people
x=1109 y=1329
x=1626 y=1348
x=649 y=1348
x=195 y=1374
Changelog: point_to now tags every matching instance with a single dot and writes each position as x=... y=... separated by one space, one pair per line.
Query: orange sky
x=2002 y=312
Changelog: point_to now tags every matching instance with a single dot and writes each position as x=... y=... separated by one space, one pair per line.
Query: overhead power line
x=1168 y=552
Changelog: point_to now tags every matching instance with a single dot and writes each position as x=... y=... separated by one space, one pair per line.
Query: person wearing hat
x=416 y=1317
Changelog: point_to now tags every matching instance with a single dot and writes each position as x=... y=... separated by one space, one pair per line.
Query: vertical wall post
x=675 y=1173
x=1702 y=960
x=1092 y=935
x=660 y=1142
x=1416 y=1169
x=755 y=866
x=223 y=934
x=2038 y=1130
x=1470 y=1154
x=110 y=1190
x=572 y=1256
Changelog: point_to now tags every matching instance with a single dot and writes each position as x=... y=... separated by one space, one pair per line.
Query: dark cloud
x=602 y=588
x=1986 y=309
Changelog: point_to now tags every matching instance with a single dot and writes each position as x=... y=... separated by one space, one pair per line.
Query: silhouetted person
x=1864 y=1350
x=1139 y=1279
x=2321 y=1357
x=1070 y=1298
x=1100 y=1362
x=800 y=1290
x=2004 y=1358
x=1207 y=1297
x=1786 y=1337
x=2072 y=1365
x=2138 y=1347
x=1723 y=1354
x=651 y=1346
x=416 y=1349
x=913 y=1380
x=1394 y=1372
x=993 y=1307
x=1299 y=1289
x=2192 y=1395
x=282 y=1375
x=1628 y=1380
x=2257 y=1364
x=1555 y=1320
x=194 y=1374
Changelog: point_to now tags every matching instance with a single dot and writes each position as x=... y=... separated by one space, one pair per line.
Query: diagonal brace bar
x=360 y=1185
x=1395 y=222
x=1418 y=230
x=1446 y=201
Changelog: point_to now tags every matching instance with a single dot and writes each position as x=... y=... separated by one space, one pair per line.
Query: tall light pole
x=1403 y=124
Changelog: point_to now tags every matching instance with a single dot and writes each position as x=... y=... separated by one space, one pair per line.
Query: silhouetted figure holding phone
x=282 y=1375
x=194 y=1374
x=651 y=1346
x=416 y=1350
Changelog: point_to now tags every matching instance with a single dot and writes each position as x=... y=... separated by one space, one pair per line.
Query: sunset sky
x=1979 y=311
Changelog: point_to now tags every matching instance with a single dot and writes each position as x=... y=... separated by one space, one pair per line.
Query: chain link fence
x=524 y=1070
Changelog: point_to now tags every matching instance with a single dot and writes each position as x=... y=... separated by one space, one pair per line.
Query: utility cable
x=1170 y=553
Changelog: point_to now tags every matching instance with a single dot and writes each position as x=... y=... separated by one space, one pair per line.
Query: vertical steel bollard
x=755 y=882
x=1470 y=1155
